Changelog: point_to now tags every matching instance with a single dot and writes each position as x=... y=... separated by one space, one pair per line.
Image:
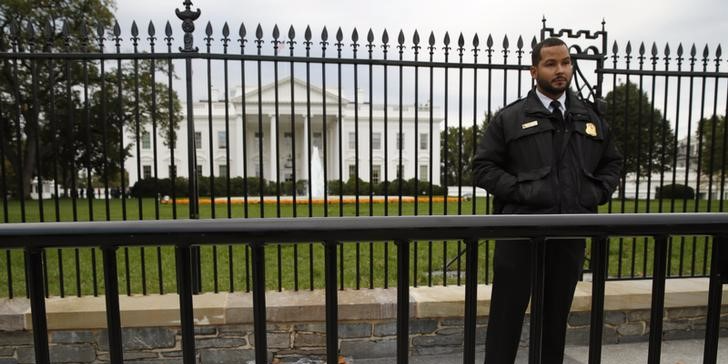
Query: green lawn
x=372 y=267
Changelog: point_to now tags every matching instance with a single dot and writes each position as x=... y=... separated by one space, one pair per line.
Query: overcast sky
x=701 y=21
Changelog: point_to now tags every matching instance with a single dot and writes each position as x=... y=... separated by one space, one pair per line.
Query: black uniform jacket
x=533 y=164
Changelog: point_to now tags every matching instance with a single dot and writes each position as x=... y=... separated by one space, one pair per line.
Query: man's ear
x=533 y=72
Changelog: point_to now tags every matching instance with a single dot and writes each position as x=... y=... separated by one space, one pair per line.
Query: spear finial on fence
x=188 y=18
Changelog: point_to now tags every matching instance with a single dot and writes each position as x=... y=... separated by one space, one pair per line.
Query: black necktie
x=556 y=114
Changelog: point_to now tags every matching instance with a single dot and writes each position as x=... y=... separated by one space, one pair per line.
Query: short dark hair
x=548 y=42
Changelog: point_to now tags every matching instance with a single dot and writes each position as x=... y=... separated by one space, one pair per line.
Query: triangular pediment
x=267 y=93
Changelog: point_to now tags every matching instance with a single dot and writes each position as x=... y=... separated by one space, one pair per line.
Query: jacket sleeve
x=489 y=161
x=610 y=166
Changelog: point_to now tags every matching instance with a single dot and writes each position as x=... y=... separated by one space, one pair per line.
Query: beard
x=548 y=88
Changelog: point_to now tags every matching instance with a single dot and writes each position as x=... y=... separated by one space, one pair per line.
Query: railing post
x=718 y=277
x=471 y=299
x=599 y=271
x=402 y=301
x=188 y=17
x=259 y=317
x=34 y=273
x=113 y=316
x=538 y=270
x=332 y=305
x=186 y=313
x=658 y=299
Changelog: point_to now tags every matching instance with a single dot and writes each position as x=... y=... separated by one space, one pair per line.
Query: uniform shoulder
x=513 y=108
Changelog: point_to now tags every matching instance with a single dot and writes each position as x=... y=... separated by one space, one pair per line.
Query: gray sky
x=701 y=21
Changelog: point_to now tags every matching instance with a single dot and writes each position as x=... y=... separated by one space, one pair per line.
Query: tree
x=61 y=117
x=642 y=135
x=712 y=133
x=460 y=173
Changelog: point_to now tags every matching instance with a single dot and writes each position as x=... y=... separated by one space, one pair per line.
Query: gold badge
x=591 y=129
x=529 y=124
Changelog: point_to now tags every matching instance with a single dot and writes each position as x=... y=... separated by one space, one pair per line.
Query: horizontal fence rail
x=34 y=238
x=104 y=122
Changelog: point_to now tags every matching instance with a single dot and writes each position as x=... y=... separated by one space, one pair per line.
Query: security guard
x=548 y=153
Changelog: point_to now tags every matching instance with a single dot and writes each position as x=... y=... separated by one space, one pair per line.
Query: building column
x=304 y=147
x=239 y=143
x=273 y=157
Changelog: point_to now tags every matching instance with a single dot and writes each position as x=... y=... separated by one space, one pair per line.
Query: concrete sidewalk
x=673 y=352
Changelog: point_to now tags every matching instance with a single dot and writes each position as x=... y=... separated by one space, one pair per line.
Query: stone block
x=12 y=313
x=578 y=319
x=638 y=315
x=683 y=334
x=437 y=340
x=130 y=355
x=279 y=340
x=204 y=330
x=309 y=340
x=72 y=337
x=677 y=325
x=686 y=312
x=7 y=350
x=309 y=327
x=235 y=330
x=172 y=354
x=439 y=350
x=424 y=326
x=8 y=361
x=226 y=356
x=580 y=336
x=369 y=349
x=15 y=338
x=161 y=361
x=615 y=318
x=60 y=354
x=140 y=338
x=361 y=329
x=632 y=329
x=231 y=342
x=459 y=321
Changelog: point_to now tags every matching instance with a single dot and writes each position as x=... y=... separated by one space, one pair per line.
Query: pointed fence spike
x=706 y=51
x=628 y=49
x=168 y=29
x=355 y=36
x=117 y=28
x=307 y=33
x=446 y=41
x=259 y=32
x=615 y=48
x=680 y=50
x=324 y=34
x=225 y=30
x=461 y=40
x=134 y=29
x=506 y=44
x=654 y=49
x=400 y=37
x=385 y=37
x=150 y=29
x=642 y=49
x=291 y=33
x=667 y=50
x=519 y=43
x=416 y=38
x=48 y=30
x=533 y=42
x=339 y=35
x=276 y=32
x=489 y=41
x=718 y=52
x=693 y=51
x=476 y=41
x=99 y=30
x=431 y=41
x=31 y=31
x=242 y=32
x=370 y=36
x=65 y=30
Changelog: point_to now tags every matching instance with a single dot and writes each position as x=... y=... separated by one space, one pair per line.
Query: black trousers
x=512 y=291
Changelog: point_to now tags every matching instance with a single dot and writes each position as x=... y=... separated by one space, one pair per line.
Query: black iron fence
x=303 y=124
x=331 y=233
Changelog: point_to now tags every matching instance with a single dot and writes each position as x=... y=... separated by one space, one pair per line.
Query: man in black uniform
x=548 y=153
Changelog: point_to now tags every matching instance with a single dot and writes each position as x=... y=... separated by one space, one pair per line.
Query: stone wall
x=366 y=330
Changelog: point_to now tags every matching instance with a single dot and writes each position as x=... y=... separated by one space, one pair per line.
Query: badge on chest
x=591 y=129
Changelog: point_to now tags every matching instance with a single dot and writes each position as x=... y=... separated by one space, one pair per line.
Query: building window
x=376 y=141
x=221 y=140
x=198 y=140
x=352 y=171
x=147 y=172
x=376 y=173
x=400 y=171
x=172 y=171
x=424 y=141
x=223 y=170
x=400 y=140
x=352 y=140
x=318 y=140
x=423 y=173
x=199 y=170
x=146 y=140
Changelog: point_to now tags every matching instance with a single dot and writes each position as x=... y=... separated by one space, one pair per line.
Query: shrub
x=675 y=191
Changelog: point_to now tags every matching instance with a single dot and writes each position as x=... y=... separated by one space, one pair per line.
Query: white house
x=211 y=127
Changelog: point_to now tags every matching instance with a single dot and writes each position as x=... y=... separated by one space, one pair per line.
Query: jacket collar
x=534 y=107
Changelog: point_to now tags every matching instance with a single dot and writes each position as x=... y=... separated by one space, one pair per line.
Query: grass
x=288 y=265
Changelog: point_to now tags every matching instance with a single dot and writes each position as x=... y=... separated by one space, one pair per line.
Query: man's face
x=553 y=72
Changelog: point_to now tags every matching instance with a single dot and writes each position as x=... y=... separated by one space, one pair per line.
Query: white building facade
x=230 y=147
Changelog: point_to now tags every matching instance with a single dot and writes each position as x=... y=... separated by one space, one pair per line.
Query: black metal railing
x=258 y=233
x=91 y=114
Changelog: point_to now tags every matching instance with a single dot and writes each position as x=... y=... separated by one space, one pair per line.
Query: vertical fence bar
x=34 y=272
x=471 y=299
x=402 y=301
x=184 y=289
x=113 y=316
x=718 y=277
x=658 y=299
x=538 y=266
x=599 y=253
x=258 y=258
x=332 y=306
